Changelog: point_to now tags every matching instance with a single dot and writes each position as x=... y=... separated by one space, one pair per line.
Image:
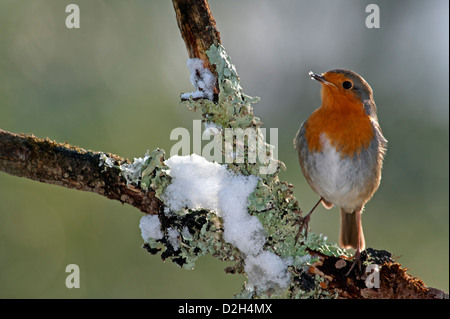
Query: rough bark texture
x=70 y=166
x=198 y=29
x=394 y=281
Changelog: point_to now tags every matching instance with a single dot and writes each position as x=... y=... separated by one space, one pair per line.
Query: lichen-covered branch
x=272 y=201
x=69 y=166
x=244 y=215
x=198 y=29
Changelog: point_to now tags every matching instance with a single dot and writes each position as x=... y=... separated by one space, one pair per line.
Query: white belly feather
x=337 y=179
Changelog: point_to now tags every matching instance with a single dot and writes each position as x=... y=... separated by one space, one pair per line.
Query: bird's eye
x=347 y=85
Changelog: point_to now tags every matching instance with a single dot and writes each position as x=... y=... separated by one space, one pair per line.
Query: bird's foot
x=303 y=223
x=356 y=261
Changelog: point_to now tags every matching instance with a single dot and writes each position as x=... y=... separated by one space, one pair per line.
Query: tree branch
x=72 y=167
x=316 y=267
x=393 y=281
x=198 y=29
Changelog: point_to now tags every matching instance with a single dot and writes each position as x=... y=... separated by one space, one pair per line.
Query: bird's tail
x=349 y=231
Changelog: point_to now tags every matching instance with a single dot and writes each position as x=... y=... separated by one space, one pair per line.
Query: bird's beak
x=319 y=78
x=316 y=77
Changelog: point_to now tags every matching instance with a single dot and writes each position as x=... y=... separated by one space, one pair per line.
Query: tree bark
x=72 y=167
x=393 y=281
x=198 y=29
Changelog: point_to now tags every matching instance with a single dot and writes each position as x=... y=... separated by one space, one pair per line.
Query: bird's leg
x=305 y=222
x=358 y=246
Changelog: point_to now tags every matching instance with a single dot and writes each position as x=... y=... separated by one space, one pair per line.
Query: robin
x=340 y=150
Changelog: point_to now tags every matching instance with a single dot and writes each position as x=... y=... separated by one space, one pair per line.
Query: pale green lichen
x=147 y=172
x=272 y=201
x=234 y=110
x=106 y=161
x=200 y=234
x=153 y=172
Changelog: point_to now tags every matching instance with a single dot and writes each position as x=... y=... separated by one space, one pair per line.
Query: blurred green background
x=113 y=85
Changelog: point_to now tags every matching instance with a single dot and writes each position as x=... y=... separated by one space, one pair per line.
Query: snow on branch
x=238 y=211
x=202 y=79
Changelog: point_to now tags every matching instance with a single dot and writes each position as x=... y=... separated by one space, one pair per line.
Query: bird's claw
x=357 y=261
x=304 y=223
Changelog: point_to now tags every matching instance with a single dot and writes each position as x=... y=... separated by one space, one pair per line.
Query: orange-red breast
x=341 y=149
